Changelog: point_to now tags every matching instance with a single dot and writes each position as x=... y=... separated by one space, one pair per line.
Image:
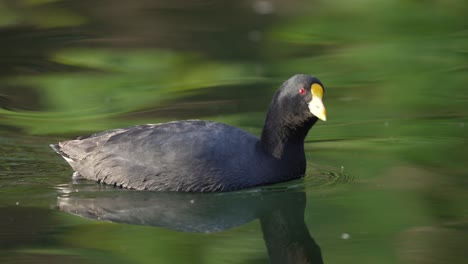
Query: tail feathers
x=58 y=149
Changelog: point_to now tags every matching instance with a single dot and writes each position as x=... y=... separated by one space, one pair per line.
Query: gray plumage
x=199 y=156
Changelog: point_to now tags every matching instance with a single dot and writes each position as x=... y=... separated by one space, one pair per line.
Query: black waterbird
x=204 y=156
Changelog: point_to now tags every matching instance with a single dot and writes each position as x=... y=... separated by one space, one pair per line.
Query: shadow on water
x=281 y=215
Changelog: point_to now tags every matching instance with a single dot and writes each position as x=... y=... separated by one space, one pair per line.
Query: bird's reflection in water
x=281 y=214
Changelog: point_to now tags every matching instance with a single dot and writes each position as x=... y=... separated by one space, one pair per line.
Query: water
x=386 y=179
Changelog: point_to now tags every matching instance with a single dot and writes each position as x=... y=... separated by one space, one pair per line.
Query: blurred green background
x=389 y=167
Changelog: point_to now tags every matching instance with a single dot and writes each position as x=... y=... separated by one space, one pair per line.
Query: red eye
x=302 y=91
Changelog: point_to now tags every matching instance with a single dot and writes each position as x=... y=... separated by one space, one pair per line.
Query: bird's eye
x=302 y=91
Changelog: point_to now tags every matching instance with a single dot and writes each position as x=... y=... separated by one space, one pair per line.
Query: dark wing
x=177 y=156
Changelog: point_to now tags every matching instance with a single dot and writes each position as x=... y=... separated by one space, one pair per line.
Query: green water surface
x=387 y=173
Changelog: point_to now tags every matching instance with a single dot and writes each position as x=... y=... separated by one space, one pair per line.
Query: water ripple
x=320 y=175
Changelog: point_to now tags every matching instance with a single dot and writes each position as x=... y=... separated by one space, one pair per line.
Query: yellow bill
x=316 y=106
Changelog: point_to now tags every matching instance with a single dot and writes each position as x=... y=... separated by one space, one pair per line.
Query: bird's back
x=190 y=155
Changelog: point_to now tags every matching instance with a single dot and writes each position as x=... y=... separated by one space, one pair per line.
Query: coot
x=204 y=156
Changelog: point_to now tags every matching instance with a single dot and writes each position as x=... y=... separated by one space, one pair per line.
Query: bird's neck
x=284 y=137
